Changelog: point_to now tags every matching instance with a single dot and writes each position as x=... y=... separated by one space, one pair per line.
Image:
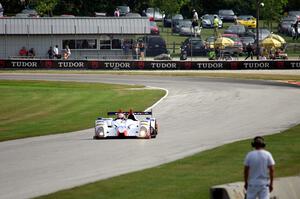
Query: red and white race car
x=126 y=125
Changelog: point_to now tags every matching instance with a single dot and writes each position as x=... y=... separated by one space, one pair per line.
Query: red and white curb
x=291 y=82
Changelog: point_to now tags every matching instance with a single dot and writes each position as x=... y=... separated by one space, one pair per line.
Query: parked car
x=133 y=15
x=193 y=46
x=181 y=23
x=246 y=40
x=155 y=13
x=154 y=28
x=238 y=45
x=227 y=15
x=155 y=45
x=27 y=13
x=285 y=25
x=168 y=20
x=208 y=21
x=263 y=33
x=123 y=10
x=240 y=30
x=295 y=14
x=187 y=30
x=246 y=20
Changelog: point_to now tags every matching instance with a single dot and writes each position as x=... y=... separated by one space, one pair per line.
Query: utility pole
x=257 y=30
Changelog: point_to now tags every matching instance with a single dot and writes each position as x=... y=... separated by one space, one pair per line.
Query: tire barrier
x=148 y=65
x=287 y=187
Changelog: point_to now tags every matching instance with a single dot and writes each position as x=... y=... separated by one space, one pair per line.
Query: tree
x=46 y=6
x=273 y=10
x=168 y=6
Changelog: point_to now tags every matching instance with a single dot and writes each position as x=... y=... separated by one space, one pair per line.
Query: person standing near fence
x=142 y=49
x=195 y=22
x=250 y=51
x=295 y=26
x=56 y=52
x=216 y=26
x=258 y=171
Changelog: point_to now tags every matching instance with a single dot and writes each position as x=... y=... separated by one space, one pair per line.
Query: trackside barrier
x=283 y=188
x=147 y=65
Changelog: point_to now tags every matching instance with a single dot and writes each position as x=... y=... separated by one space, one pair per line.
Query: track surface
x=198 y=113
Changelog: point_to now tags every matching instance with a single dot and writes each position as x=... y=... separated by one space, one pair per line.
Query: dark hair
x=258 y=141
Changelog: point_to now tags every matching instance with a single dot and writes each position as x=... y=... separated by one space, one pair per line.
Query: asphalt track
x=197 y=114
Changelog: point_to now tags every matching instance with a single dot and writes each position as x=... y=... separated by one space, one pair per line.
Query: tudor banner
x=148 y=65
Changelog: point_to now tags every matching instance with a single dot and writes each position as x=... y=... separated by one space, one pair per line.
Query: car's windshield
x=237 y=28
x=184 y=23
x=226 y=12
x=245 y=17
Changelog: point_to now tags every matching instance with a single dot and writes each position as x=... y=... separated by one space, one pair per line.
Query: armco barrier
x=287 y=187
x=148 y=65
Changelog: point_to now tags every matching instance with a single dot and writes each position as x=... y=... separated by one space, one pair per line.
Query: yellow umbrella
x=277 y=37
x=223 y=42
x=271 y=43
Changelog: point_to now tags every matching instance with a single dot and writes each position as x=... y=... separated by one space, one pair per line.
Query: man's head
x=120 y=116
x=258 y=142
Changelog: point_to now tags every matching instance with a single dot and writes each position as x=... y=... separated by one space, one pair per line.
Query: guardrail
x=283 y=188
x=148 y=65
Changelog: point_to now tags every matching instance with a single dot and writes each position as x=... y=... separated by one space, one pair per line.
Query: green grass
x=191 y=178
x=33 y=108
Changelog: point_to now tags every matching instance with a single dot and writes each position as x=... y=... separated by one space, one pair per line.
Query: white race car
x=126 y=125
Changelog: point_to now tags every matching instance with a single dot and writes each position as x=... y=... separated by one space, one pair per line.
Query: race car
x=126 y=125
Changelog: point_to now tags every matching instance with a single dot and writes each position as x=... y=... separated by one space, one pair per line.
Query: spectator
x=195 y=21
x=31 y=53
x=216 y=26
x=136 y=51
x=250 y=51
x=142 y=49
x=50 y=53
x=258 y=171
x=23 y=52
x=295 y=26
x=126 y=48
x=56 y=52
x=67 y=52
x=117 y=12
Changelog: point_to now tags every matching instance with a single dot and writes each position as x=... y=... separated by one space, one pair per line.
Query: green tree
x=168 y=6
x=46 y=6
x=273 y=11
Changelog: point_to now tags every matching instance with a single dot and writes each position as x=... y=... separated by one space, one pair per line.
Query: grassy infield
x=61 y=107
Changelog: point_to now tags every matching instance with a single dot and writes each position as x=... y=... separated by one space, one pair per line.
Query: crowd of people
x=24 y=53
x=54 y=52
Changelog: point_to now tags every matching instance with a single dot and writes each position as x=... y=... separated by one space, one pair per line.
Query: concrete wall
x=284 y=188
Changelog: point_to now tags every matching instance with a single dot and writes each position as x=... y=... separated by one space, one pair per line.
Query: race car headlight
x=100 y=131
x=143 y=132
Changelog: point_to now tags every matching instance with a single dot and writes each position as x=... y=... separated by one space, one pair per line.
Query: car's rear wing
x=134 y=113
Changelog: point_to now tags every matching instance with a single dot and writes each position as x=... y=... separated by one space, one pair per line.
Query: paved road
x=198 y=113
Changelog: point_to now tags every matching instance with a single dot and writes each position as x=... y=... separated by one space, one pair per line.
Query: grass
x=34 y=108
x=193 y=176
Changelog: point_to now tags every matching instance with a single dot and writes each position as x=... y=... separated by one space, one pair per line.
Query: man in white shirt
x=56 y=53
x=259 y=171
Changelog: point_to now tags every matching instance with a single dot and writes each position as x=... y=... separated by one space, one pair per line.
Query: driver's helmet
x=121 y=116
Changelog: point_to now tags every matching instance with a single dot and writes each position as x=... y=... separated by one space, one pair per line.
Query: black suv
x=155 y=45
x=193 y=46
